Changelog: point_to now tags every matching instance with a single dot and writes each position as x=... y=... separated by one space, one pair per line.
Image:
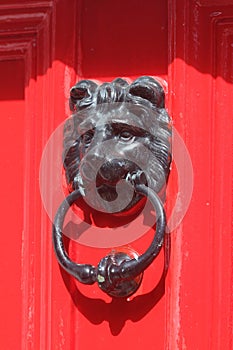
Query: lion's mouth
x=107 y=192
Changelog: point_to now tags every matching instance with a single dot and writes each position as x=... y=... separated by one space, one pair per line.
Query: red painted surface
x=44 y=48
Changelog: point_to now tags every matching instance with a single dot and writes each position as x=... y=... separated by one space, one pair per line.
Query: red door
x=45 y=47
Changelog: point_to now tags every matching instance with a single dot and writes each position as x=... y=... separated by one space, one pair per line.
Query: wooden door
x=45 y=47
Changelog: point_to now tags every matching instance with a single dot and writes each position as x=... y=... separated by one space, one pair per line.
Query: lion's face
x=106 y=142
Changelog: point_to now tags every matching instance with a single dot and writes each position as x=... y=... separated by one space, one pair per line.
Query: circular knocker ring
x=117 y=274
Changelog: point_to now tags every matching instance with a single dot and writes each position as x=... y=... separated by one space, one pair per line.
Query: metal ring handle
x=114 y=274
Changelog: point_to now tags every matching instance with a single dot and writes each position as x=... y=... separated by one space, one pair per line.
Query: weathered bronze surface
x=118 y=131
x=132 y=118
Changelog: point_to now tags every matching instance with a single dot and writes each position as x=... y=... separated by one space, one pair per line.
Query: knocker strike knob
x=108 y=275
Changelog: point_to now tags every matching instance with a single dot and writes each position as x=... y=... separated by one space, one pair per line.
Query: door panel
x=121 y=39
x=31 y=107
x=44 y=48
x=12 y=198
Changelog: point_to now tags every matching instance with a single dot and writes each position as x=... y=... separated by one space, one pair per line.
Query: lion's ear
x=81 y=95
x=148 y=89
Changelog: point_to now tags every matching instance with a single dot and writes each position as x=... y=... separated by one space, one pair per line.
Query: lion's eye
x=87 y=138
x=126 y=136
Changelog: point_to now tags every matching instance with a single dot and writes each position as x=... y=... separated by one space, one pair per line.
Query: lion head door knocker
x=118 y=132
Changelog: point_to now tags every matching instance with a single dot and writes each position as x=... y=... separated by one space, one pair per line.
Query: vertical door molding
x=200 y=88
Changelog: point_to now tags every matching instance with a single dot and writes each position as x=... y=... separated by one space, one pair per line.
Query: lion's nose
x=114 y=170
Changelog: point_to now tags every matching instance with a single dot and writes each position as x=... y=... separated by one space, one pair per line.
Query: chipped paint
x=175 y=340
x=61 y=331
x=68 y=82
